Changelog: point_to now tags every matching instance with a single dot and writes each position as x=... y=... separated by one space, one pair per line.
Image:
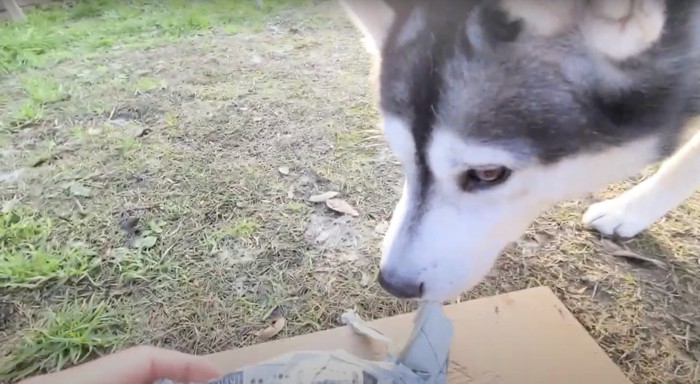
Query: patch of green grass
x=145 y=261
x=39 y=92
x=295 y=207
x=5 y=98
x=43 y=90
x=70 y=332
x=146 y=84
x=32 y=267
x=17 y=225
x=57 y=31
x=361 y=143
x=170 y=120
x=27 y=113
x=80 y=132
x=126 y=144
x=73 y=333
x=133 y=265
x=240 y=232
x=29 y=258
x=244 y=227
x=360 y=109
x=348 y=138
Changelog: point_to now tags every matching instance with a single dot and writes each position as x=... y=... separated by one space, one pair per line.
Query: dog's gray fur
x=545 y=96
x=474 y=68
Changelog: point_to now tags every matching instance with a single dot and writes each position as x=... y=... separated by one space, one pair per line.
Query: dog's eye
x=484 y=177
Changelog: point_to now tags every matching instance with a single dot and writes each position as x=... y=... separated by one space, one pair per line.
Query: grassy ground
x=157 y=164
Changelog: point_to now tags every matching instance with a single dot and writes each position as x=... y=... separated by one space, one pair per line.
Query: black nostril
x=400 y=287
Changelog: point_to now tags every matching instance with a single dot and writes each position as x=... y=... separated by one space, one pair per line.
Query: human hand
x=137 y=365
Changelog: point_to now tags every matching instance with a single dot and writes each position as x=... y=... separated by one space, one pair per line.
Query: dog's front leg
x=640 y=207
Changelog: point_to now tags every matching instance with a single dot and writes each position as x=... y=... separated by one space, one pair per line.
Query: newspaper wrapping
x=424 y=359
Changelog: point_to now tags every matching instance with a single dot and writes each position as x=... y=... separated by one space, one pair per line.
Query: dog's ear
x=373 y=18
x=622 y=29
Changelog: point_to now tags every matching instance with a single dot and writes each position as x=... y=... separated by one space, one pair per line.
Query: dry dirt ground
x=158 y=192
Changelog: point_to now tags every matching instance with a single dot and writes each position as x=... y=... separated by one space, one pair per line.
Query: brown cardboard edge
x=542 y=299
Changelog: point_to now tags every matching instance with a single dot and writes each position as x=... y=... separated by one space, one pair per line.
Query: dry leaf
x=362 y=328
x=145 y=242
x=617 y=250
x=290 y=192
x=542 y=239
x=380 y=346
x=80 y=190
x=277 y=323
x=635 y=256
x=322 y=198
x=610 y=246
x=382 y=228
x=347 y=256
x=341 y=206
x=284 y=170
x=364 y=281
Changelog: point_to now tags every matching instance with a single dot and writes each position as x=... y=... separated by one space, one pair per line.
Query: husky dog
x=498 y=110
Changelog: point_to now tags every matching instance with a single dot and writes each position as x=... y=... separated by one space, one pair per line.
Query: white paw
x=621 y=29
x=617 y=217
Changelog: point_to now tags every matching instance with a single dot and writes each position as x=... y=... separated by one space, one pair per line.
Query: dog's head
x=498 y=110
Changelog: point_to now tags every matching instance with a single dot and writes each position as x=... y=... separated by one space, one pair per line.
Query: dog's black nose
x=400 y=287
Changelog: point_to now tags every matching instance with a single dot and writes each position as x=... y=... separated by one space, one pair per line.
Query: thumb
x=137 y=365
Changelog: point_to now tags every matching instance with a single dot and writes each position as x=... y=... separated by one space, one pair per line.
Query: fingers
x=138 y=365
x=176 y=366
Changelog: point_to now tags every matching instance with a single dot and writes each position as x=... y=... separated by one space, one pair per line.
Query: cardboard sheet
x=524 y=337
